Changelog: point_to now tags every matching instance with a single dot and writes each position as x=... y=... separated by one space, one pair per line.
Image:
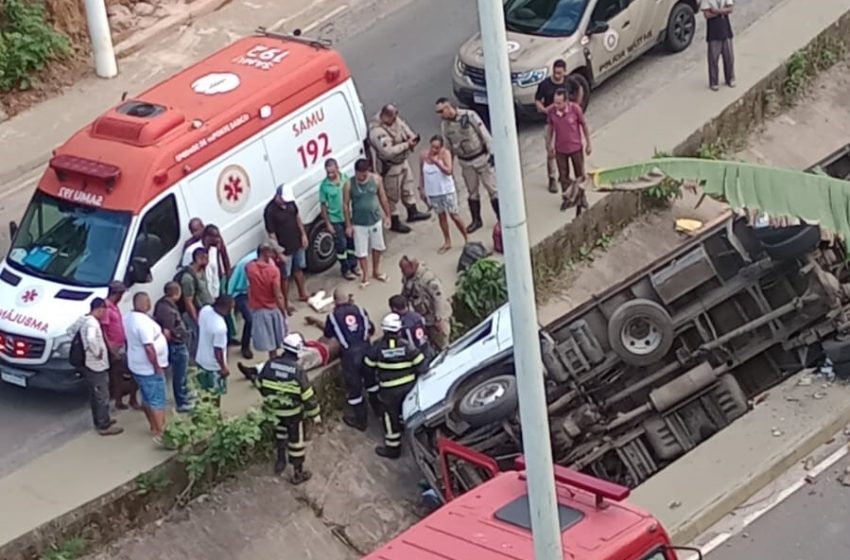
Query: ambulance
x=213 y=141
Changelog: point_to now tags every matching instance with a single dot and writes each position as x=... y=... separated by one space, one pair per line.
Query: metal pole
x=101 y=39
x=529 y=364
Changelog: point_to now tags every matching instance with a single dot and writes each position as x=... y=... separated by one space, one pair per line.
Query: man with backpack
x=90 y=356
x=196 y=293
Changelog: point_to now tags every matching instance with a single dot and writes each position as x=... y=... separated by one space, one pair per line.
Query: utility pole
x=545 y=526
x=101 y=39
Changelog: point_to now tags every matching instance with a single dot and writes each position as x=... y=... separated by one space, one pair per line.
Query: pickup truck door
x=610 y=50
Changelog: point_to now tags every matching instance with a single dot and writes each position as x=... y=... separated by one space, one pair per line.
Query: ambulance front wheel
x=321 y=252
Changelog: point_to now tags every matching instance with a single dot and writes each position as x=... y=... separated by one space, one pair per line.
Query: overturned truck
x=654 y=365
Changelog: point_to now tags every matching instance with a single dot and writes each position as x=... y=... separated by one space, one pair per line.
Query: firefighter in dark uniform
x=350 y=325
x=396 y=363
x=289 y=396
x=413 y=326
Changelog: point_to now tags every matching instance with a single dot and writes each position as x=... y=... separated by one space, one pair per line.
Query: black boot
x=388 y=452
x=300 y=476
x=414 y=215
x=475 y=211
x=280 y=464
x=494 y=202
x=249 y=372
x=397 y=226
x=355 y=417
x=247 y=353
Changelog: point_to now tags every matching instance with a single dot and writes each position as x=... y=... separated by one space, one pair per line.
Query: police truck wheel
x=490 y=400
x=680 y=27
x=321 y=250
x=641 y=332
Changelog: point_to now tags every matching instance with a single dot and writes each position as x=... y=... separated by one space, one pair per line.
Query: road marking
x=321 y=21
x=783 y=495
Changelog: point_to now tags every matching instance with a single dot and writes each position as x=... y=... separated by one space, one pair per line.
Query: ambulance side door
x=232 y=192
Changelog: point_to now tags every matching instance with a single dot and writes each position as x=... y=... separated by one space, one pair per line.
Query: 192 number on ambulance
x=314 y=149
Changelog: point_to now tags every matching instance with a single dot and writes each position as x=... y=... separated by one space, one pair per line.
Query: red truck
x=492 y=521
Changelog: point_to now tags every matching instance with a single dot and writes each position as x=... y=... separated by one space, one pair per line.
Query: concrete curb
x=685 y=532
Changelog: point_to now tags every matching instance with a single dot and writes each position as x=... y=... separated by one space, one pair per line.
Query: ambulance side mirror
x=139 y=271
x=13 y=229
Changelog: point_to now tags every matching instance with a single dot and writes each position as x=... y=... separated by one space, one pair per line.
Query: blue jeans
x=245 y=311
x=178 y=358
x=344 y=249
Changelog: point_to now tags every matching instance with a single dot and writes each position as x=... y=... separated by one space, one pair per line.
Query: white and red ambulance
x=213 y=141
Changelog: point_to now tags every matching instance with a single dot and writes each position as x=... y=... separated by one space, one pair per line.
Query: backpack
x=77 y=353
x=472 y=252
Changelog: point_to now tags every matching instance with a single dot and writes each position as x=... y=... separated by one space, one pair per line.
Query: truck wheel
x=584 y=85
x=641 y=332
x=837 y=349
x=680 y=27
x=786 y=244
x=490 y=400
x=321 y=251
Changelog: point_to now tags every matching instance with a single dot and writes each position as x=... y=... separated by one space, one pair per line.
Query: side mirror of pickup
x=597 y=27
x=139 y=271
x=13 y=229
x=691 y=549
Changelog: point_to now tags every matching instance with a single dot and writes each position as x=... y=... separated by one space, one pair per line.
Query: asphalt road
x=812 y=524
x=403 y=58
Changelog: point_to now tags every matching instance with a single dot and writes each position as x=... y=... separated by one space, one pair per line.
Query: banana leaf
x=786 y=193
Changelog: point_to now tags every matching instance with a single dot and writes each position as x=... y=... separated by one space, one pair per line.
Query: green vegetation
x=480 y=291
x=807 y=63
x=71 y=549
x=27 y=42
x=152 y=482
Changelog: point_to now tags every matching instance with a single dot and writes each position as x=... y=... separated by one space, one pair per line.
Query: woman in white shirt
x=147 y=359
x=437 y=188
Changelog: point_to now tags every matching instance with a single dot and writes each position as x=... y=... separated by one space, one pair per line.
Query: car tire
x=681 y=27
x=487 y=401
x=582 y=82
x=321 y=248
x=841 y=370
x=641 y=332
x=789 y=243
x=837 y=349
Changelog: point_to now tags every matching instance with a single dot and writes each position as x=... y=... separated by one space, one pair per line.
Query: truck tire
x=641 y=332
x=321 y=250
x=841 y=370
x=490 y=400
x=584 y=85
x=837 y=349
x=786 y=244
x=681 y=26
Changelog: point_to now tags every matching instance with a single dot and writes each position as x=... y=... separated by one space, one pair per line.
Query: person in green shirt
x=330 y=197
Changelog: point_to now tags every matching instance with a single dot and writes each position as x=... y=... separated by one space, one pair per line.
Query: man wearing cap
x=285 y=228
x=120 y=381
x=96 y=366
x=266 y=301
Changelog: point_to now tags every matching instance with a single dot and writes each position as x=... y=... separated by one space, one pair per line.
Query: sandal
x=444 y=249
x=382 y=277
x=364 y=284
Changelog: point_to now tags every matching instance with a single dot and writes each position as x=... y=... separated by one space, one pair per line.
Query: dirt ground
x=356 y=501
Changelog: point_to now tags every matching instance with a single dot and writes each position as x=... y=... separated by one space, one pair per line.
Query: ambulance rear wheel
x=321 y=251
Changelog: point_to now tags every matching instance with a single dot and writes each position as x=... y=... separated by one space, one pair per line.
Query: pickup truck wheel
x=490 y=400
x=641 y=332
x=837 y=349
x=789 y=243
x=680 y=27
x=584 y=86
x=321 y=250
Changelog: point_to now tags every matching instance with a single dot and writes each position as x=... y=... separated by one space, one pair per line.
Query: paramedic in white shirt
x=211 y=356
x=147 y=359
x=96 y=369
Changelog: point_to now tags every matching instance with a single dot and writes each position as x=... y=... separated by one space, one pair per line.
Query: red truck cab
x=492 y=521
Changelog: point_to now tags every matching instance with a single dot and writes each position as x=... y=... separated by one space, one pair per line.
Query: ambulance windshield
x=69 y=243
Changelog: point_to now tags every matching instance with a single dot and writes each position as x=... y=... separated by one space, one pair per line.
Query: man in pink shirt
x=120 y=381
x=568 y=138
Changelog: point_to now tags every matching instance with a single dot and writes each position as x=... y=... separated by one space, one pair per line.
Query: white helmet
x=391 y=323
x=293 y=342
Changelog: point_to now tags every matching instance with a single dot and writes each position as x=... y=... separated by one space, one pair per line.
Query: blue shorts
x=152 y=388
x=296 y=261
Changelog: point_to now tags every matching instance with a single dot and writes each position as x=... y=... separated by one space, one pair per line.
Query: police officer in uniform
x=396 y=363
x=289 y=396
x=424 y=290
x=468 y=139
x=350 y=325
x=394 y=142
x=413 y=327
